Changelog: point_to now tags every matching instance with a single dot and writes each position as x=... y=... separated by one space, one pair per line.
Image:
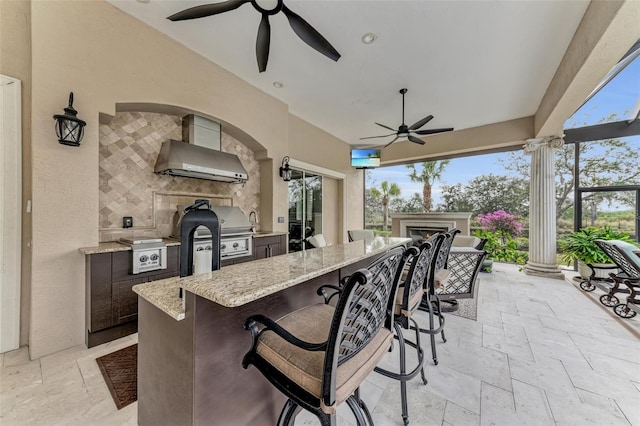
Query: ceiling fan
x=302 y=28
x=408 y=131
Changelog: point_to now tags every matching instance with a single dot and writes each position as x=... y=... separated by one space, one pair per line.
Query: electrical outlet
x=280 y=219
x=127 y=222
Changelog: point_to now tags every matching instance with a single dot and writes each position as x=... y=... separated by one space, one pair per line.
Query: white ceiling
x=468 y=63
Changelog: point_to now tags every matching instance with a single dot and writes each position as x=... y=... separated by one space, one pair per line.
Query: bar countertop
x=243 y=283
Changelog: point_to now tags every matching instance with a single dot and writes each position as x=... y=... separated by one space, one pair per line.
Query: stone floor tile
x=546 y=373
x=613 y=366
x=497 y=406
x=459 y=388
x=602 y=384
x=425 y=407
x=513 y=348
x=602 y=402
x=21 y=375
x=523 y=319
x=61 y=363
x=483 y=363
x=569 y=412
x=455 y=415
x=18 y=357
x=614 y=347
x=531 y=403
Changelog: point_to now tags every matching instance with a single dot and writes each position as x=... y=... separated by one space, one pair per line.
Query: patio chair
x=626 y=257
x=437 y=276
x=410 y=291
x=319 y=355
x=617 y=250
x=360 y=234
x=317 y=241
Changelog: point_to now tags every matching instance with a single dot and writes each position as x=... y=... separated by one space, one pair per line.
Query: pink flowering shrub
x=502 y=223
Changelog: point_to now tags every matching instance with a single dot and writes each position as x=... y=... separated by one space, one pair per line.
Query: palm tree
x=385 y=193
x=431 y=172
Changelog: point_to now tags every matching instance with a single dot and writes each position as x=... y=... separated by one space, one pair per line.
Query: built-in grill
x=149 y=254
x=235 y=235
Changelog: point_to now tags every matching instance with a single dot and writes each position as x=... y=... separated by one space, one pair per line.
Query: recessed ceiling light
x=278 y=84
x=369 y=38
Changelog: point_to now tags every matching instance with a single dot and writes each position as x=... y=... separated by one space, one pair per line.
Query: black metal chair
x=319 y=355
x=408 y=300
x=438 y=277
x=622 y=254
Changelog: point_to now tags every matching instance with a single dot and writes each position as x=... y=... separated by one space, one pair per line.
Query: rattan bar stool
x=408 y=300
x=319 y=355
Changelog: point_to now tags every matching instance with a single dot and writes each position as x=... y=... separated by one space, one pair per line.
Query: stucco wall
x=15 y=61
x=115 y=70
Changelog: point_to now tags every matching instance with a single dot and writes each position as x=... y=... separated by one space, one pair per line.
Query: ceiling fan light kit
x=408 y=132
x=302 y=28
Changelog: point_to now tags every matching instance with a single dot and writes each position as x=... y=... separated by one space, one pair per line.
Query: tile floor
x=541 y=352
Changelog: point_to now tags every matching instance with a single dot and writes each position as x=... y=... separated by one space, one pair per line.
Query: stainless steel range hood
x=195 y=160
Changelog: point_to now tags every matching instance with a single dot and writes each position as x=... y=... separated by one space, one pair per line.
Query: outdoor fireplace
x=419 y=226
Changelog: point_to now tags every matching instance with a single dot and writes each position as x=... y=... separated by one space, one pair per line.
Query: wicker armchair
x=319 y=355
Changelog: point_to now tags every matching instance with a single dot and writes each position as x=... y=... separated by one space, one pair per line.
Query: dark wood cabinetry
x=112 y=306
x=269 y=246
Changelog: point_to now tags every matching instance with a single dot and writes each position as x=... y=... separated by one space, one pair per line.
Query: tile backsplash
x=129 y=146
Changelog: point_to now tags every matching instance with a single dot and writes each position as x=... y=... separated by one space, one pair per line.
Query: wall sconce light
x=285 y=171
x=69 y=128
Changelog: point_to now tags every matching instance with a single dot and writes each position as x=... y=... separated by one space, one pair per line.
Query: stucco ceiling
x=468 y=63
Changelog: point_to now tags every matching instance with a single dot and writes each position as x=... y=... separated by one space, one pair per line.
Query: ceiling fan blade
x=421 y=123
x=262 y=43
x=309 y=35
x=394 y=139
x=416 y=140
x=207 y=10
x=433 y=131
x=374 y=137
x=386 y=127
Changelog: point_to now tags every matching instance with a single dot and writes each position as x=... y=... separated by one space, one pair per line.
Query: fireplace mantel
x=444 y=220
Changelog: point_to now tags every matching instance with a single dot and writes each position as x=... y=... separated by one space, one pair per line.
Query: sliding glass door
x=305 y=208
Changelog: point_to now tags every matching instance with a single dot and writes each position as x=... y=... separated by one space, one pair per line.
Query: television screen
x=365 y=158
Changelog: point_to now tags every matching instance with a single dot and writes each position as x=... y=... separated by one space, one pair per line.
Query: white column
x=542 y=208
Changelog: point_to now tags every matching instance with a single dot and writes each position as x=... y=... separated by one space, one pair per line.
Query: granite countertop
x=113 y=246
x=240 y=284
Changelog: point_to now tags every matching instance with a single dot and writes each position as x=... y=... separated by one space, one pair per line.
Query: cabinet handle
x=270 y=251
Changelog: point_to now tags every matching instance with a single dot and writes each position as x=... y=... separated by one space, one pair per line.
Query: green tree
x=412 y=205
x=431 y=172
x=488 y=193
x=602 y=163
x=385 y=193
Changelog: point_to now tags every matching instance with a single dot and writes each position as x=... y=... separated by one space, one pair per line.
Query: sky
x=619 y=96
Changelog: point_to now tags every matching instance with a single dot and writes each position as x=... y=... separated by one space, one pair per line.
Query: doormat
x=120 y=371
x=467 y=308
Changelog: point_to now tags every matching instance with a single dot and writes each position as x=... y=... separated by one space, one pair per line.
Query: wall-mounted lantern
x=285 y=171
x=69 y=128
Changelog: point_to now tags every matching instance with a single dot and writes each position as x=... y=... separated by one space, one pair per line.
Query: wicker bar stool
x=408 y=300
x=319 y=355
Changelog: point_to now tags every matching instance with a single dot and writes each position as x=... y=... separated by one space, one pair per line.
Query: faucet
x=255 y=220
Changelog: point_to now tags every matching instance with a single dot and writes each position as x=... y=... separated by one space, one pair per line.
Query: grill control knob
x=222 y=247
x=199 y=249
x=208 y=248
x=153 y=257
x=235 y=245
x=144 y=258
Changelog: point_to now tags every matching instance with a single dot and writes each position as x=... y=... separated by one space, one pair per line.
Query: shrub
x=580 y=245
x=503 y=224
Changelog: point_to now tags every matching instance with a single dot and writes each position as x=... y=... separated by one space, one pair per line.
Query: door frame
x=342 y=189
x=10 y=211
